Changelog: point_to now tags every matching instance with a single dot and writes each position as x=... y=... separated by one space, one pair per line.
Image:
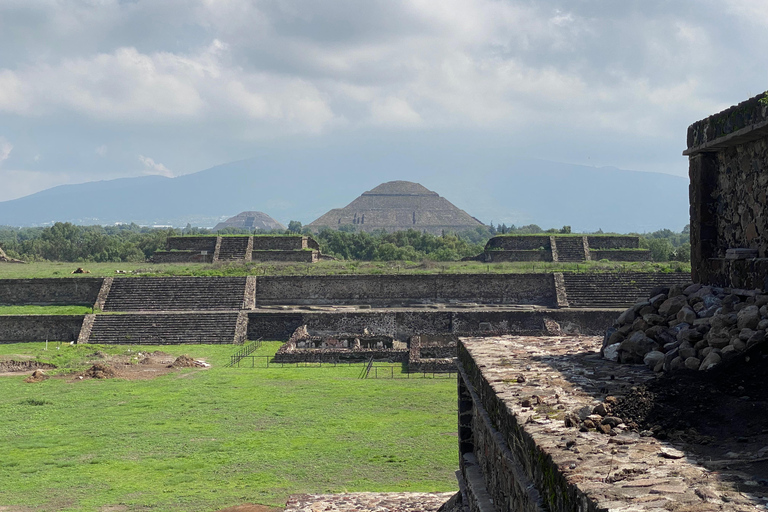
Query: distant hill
x=304 y=185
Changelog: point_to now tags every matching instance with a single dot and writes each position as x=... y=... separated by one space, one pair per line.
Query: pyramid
x=250 y=221
x=398 y=206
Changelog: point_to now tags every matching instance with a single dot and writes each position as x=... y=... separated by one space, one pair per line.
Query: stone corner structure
x=728 y=169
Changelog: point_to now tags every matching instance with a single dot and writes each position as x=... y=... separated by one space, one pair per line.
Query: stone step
x=233 y=248
x=164 y=328
x=175 y=293
x=615 y=290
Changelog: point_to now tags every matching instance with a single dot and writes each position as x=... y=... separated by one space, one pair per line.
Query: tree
x=294 y=226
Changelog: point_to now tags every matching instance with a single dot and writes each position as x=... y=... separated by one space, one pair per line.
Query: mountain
x=303 y=185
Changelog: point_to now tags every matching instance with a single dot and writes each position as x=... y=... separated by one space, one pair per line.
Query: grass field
x=45 y=310
x=200 y=439
x=61 y=269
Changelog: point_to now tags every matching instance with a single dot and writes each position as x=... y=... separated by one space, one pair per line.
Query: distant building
x=399 y=206
x=250 y=221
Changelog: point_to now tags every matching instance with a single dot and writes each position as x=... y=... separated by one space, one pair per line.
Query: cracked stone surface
x=368 y=502
x=621 y=472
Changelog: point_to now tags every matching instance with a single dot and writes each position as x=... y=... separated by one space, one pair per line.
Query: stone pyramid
x=398 y=206
x=250 y=220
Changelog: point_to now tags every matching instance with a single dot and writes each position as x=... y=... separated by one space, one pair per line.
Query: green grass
x=208 y=439
x=58 y=269
x=45 y=310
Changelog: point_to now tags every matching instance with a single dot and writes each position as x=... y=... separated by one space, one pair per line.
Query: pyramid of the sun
x=250 y=220
x=398 y=206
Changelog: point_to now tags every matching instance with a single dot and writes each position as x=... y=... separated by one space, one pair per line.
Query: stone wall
x=728 y=169
x=29 y=328
x=517 y=255
x=619 y=255
x=402 y=324
x=75 y=291
x=518 y=243
x=283 y=243
x=181 y=257
x=398 y=289
x=613 y=242
x=305 y=256
x=191 y=243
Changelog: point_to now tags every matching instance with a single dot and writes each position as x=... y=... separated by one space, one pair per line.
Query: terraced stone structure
x=563 y=248
x=209 y=249
x=250 y=221
x=399 y=206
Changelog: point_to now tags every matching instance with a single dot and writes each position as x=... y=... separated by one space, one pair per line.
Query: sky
x=101 y=89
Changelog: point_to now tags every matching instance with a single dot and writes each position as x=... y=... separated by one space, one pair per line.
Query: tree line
x=64 y=241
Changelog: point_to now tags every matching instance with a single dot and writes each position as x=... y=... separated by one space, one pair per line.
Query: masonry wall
x=30 y=328
x=532 y=255
x=518 y=243
x=75 y=291
x=536 y=289
x=404 y=324
x=501 y=464
x=288 y=256
x=728 y=169
x=181 y=257
x=191 y=243
x=618 y=255
x=281 y=243
x=613 y=242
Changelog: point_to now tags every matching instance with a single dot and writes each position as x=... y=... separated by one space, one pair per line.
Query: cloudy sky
x=100 y=89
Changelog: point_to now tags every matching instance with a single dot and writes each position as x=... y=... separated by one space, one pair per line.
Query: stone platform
x=368 y=502
x=517 y=454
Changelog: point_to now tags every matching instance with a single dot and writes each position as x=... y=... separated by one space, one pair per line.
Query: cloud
x=152 y=167
x=101 y=150
x=5 y=149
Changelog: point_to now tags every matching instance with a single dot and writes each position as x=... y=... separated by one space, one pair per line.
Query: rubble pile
x=693 y=327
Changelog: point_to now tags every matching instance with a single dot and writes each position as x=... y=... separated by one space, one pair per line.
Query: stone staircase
x=175 y=294
x=615 y=290
x=165 y=328
x=570 y=248
x=233 y=248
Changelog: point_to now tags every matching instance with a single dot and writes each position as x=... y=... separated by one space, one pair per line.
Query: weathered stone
x=657 y=300
x=675 y=291
x=748 y=317
x=762 y=325
x=710 y=361
x=690 y=335
x=676 y=363
x=738 y=345
x=653 y=319
x=686 y=350
x=634 y=348
x=654 y=332
x=600 y=409
x=691 y=289
x=745 y=334
x=627 y=317
x=613 y=421
x=686 y=315
x=639 y=325
x=756 y=338
x=761 y=300
x=718 y=339
x=653 y=358
x=611 y=352
x=701 y=344
x=692 y=363
x=672 y=305
x=698 y=307
x=647 y=310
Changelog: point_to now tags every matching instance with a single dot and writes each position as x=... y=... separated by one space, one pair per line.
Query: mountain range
x=303 y=186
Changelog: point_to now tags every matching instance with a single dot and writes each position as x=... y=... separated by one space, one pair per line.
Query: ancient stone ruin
x=250 y=221
x=209 y=249
x=399 y=206
x=563 y=248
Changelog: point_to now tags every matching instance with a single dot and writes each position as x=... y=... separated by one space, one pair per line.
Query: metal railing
x=244 y=352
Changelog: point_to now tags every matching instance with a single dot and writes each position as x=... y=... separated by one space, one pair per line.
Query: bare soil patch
x=139 y=366
x=719 y=414
x=13 y=366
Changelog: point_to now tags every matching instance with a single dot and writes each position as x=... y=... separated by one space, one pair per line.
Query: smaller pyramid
x=399 y=206
x=250 y=221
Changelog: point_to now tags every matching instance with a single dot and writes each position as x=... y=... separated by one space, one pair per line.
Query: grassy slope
x=45 y=310
x=59 y=269
x=203 y=440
